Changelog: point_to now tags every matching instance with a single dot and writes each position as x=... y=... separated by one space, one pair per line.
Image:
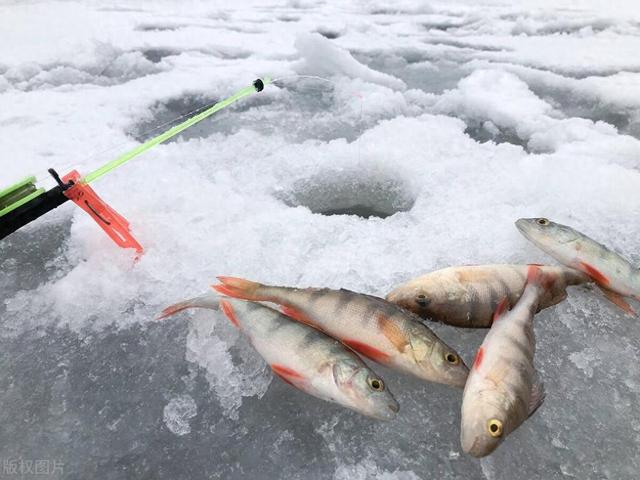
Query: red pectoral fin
x=229 y=312
x=284 y=379
x=478 y=360
x=288 y=375
x=594 y=273
x=367 y=351
x=618 y=301
x=501 y=308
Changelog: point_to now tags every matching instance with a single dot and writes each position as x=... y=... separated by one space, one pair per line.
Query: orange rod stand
x=114 y=224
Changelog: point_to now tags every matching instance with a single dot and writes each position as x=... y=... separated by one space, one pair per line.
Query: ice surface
x=178 y=412
x=446 y=121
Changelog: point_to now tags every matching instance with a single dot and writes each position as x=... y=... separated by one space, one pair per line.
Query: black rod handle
x=34 y=208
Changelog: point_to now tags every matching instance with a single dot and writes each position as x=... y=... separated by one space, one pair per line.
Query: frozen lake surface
x=442 y=123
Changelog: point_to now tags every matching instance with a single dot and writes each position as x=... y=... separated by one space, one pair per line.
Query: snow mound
x=323 y=58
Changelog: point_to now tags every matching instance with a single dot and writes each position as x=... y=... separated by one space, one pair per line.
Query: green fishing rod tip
x=260 y=83
x=257 y=86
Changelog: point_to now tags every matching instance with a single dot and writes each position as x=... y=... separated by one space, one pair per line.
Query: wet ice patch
x=418 y=68
x=160 y=27
x=612 y=99
x=501 y=106
x=288 y=18
x=330 y=33
x=444 y=23
x=545 y=24
x=367 y=469
x=178 y=412
x=487 y=131
x=400 y=7
x=111 y=66
x=585 y=359
x=173 y=111
x=495 y=101
x=156 y=55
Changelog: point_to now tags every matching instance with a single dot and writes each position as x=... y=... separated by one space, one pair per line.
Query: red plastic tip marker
x=114 y=224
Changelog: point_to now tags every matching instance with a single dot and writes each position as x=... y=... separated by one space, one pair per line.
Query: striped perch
x=467 y=296
x=369 y=325
x=303 y=357
x=503 y=388
x=614 y=274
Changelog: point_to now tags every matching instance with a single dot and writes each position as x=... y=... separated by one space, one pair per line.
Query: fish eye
x=452 y=358
x=542 y=221
x=376 y=384
x=422 y=300
x=495 y=427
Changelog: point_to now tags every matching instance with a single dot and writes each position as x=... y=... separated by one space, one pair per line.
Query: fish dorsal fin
x=501 y=309
x=537 y=394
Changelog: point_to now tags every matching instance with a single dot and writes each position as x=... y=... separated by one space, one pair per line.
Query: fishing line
x=44 y=176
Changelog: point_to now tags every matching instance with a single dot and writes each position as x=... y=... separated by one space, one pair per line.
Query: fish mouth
x=467 y=447
x=391 y=411
x=396 y=297
x=522 y=224
x=393 y=407
x=476 y=449
x=386 y=413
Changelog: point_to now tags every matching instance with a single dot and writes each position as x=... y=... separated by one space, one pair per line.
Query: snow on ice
x=438 y=125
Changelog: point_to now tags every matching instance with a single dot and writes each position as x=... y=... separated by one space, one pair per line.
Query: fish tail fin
x=208 y=300
x=240 y=288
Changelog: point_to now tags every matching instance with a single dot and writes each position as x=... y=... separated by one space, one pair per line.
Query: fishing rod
x=24 y=202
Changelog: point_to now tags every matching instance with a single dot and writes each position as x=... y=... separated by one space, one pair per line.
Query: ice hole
x=340 y=193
